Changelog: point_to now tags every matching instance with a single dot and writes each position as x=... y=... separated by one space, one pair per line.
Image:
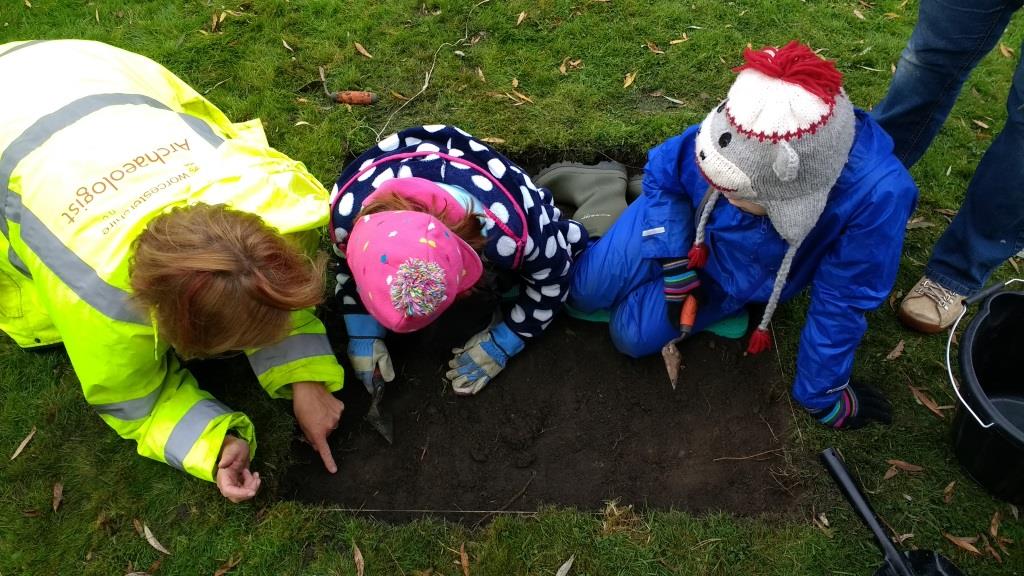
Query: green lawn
x=262 y=61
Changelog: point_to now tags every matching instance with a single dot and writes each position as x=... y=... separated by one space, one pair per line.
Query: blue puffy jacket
x=849 y=259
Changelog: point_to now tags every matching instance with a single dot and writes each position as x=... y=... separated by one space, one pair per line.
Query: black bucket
x=988 y=432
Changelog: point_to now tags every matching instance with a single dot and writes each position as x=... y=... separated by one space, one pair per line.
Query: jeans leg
x=949 y=40
x=989 y=228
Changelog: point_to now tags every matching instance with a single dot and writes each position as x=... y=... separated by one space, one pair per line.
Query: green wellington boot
x=635 y=187
x=597 y=191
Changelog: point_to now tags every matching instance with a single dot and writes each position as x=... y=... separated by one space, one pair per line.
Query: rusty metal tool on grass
x=669 y=352
x=354 y=97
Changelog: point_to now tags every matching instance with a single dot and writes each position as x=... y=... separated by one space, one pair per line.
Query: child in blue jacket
x=783 y=186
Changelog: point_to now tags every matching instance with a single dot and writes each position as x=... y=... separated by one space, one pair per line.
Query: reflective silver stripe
x=17 y=263
x=292 y=348
x=110 y=300
x=188 y=430
x=86 y=283
x=20 y=46
x=136 y=409
x=42 y=129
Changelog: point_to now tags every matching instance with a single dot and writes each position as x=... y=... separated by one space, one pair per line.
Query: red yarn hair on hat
x=797 y=64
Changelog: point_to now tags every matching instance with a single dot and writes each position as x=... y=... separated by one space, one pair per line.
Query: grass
x=245 y=68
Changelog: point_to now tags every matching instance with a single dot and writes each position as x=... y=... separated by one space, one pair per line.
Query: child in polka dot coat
x=414 y=218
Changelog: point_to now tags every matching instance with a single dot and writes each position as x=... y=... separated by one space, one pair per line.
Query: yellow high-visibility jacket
x=94 y=143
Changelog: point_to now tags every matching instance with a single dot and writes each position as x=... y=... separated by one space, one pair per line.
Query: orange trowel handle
x=688 y=315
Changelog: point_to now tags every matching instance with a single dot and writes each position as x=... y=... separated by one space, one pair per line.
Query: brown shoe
x=930 y=308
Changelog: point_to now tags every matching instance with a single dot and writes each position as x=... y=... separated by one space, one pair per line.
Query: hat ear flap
x=787 y=162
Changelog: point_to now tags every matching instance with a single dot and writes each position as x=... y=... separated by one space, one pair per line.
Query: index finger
x=320 y=443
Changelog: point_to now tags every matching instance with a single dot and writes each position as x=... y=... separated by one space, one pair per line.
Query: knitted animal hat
x=780 y=140
x=409 y=267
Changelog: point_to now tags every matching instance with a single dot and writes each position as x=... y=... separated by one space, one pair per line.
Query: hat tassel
x=698 y=256
x=760 y=341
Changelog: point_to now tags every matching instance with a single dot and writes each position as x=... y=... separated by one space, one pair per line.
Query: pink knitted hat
x=409 y=267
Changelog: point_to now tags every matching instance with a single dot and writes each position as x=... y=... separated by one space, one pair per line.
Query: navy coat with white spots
x=543 y=259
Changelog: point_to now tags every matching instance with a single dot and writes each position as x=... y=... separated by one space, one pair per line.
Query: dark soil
x=570 y=419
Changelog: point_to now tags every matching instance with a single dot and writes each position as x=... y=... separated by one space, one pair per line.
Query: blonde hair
x=217 y=279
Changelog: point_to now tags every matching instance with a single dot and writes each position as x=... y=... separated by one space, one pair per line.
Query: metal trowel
x=669 y=352
x=382 y=422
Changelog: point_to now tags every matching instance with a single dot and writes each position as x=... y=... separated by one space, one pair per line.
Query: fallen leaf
x=1006 y=51
x=493 y=140
x=674 y=100
x=464 y=559
x=58 y=495
x=1016 y=267
x=981 y=124
x=302 y=123
x=893 y=298
x=286 y=46
x=919 y=222
x=990 y=549
x=905 y=466
x=427 y=572
x=679 y=40
x=24 y=442
x=901 y=538
x=654 y=48
x=858 y=14
x=561 y=67
x=993 y=527
x=31 y=513
x=897 y=351
x=964 y=542
x=564 y=570
x=925 y=400
x=522 y=96
x=519 y=20
x=946 y=211
x=629 y=80
x=138 y=526
x=825 y=529
x=357 y=557
x=228 y=566
x=1002 y=541
x=153 y=541
x=824 y=519
x=891 y=15
x=892 y=471
x=892 y=68
x=97 y=15
x=947 y=492
x=400 y=96
x=28 y=4
x=363 y=51
x=1013 y=510
x=515 y=82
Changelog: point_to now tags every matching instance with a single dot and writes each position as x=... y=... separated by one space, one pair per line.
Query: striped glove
x=679 y=281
